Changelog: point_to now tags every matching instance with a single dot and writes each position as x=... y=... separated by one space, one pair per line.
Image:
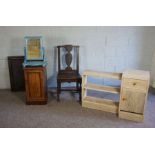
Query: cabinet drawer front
x=135 y=84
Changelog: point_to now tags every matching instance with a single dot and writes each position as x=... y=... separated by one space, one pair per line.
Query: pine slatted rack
x=100 y=103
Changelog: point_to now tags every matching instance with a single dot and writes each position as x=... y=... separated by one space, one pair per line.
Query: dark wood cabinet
x=36 y=85
x=16 y=73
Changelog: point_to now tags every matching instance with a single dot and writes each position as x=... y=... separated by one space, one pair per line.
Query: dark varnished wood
x=16 y=72
x=68 y=74
x=36 y=85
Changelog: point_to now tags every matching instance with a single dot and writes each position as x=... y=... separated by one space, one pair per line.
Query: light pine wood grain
x=96 y=87
x=131 y=116
x=84 y=81
x=117 y=76
x=135 y=84
x=134 y=91
x=100 y=104
x=137 y=74
x=133 y=101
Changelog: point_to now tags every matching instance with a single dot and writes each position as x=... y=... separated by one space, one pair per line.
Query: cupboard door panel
x=133 y=101
x=36 y=88
x=35 y=84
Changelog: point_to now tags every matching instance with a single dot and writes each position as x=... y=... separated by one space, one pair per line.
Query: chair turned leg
x=58 y=91
x=77 y=85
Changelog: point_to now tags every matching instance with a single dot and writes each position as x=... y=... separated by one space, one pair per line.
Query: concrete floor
x=14 y=113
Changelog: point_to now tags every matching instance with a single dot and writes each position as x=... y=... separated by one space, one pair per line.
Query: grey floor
x=66 y=114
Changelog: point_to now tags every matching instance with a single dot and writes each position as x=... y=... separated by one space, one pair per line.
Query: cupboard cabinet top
x=137 y=74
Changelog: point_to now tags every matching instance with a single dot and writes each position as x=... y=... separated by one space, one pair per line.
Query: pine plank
x=96 y=87
x=117 y=76
x=100 y=104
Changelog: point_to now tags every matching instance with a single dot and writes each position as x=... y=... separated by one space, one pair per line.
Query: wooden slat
x=100 y=104
x=131 y=116
x=117 y=76
x=84 y=91
x=100 y=100
x=96 y=87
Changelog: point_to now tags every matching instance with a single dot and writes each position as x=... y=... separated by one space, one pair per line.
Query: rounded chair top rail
x=67 y=45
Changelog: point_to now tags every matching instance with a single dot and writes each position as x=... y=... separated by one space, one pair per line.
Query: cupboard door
x=132 y=101
x=35 y=85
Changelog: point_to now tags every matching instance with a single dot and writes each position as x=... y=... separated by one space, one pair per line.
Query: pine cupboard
x=134 y=91
x=36 y=85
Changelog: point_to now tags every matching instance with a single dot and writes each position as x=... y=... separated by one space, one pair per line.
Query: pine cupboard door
x=35 y=84
x=132 y=101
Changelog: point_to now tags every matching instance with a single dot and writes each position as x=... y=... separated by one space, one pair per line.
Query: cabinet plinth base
x=131 y=116
x=36 y=102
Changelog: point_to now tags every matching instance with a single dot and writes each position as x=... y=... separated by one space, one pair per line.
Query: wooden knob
x=134 y=84
x=123 y=99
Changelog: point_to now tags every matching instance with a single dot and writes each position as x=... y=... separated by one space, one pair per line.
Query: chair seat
x=70 y=76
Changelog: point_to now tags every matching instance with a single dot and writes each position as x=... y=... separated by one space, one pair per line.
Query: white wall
x=153 y=69
x=153 y=60
x=101 y=48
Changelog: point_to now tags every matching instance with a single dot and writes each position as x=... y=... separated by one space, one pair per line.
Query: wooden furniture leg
x=77 y=85
x=58 y=90
x=80 y=92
